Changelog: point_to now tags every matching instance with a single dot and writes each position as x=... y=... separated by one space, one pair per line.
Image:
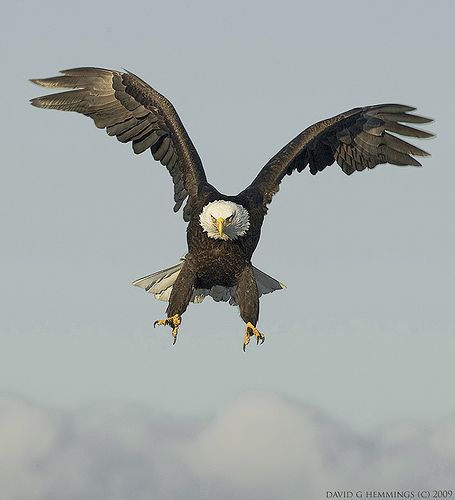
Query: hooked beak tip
x=220 y=225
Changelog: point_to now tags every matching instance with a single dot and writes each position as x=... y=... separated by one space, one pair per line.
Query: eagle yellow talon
x=174 y=322
x=249 y=332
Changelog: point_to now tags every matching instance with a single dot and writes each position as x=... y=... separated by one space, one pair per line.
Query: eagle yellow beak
x=220 y=225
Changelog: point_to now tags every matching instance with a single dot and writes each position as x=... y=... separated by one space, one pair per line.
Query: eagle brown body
x=130 y=109
x=211 y=262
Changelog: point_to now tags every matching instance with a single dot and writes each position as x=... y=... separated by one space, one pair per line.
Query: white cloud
x=260 y=446
x=26 y=435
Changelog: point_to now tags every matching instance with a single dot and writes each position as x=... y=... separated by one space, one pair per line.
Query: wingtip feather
x=38 y=81
x=36 y=102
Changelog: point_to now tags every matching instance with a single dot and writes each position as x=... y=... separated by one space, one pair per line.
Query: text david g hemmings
x=371 y=494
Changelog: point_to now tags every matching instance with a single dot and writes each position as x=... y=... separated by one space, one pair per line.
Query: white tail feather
x=160 y=285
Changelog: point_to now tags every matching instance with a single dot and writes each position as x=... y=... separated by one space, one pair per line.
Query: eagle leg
x=173 y=322
x=249 y=332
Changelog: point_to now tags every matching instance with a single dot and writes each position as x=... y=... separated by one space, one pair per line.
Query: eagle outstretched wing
x=130 y=109
x=356 y=139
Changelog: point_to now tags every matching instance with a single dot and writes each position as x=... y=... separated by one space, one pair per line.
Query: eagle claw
x=174 y=322
x=249 y=332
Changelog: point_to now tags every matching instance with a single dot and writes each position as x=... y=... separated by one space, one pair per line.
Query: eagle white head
x=224 y=220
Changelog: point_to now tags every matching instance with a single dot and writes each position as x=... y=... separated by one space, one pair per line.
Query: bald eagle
x=223 y=231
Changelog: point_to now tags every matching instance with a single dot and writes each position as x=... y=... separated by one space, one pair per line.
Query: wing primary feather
x=88 y=71
x=401 y=159
x=404 y=117
x=390 y=108
x=398 y=128
x=402 y=146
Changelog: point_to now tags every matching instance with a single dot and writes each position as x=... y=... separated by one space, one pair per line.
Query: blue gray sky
x=362 y=336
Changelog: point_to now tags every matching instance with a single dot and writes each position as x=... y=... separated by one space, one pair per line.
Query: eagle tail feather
x=160 y=285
